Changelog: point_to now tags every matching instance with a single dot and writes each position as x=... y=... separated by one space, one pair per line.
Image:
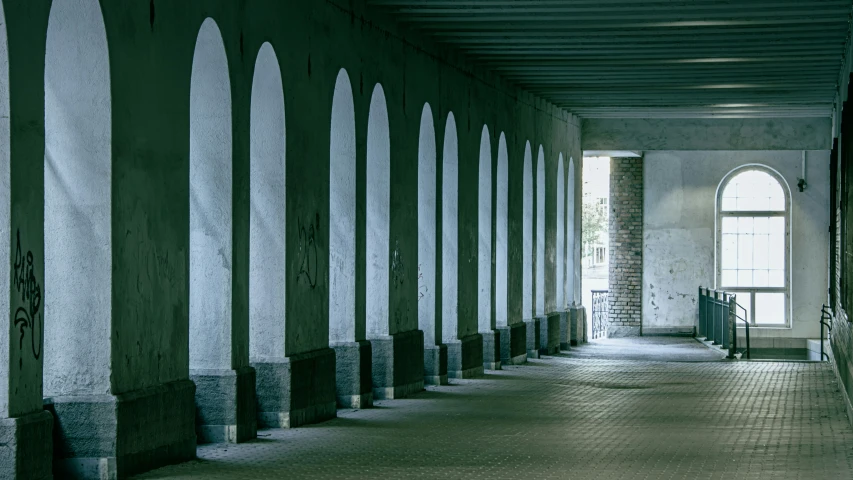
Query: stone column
x=626 y=247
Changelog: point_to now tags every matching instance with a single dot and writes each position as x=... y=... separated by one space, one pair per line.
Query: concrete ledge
x=513 y=344
x=435 y=364
x=614 y=331
x=296 y=390
x=669 y=332
x=549 y=334
x=27 y=446
x=353 y=374
x=398 y=364
x=564 y=330
x=491 y=349
x=225 y=405
x=465 y=357
x=115 y=436
x=532 y=327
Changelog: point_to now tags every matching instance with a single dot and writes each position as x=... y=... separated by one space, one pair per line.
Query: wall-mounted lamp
x=801 y=182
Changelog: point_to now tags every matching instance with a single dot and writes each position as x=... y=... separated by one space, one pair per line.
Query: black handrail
x=717 y=318
x=825 y=314
x=745 y=320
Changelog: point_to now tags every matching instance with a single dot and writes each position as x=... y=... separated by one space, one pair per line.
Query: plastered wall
x=151 y=44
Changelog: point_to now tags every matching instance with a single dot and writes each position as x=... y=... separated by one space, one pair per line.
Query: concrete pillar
x=577 y=325
x=626 y=247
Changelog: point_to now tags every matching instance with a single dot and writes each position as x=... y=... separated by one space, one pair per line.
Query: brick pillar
x=626 y=247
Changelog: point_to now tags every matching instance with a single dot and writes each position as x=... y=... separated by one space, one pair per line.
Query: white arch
x=210 y=203
x=570 y=244
x=342 y=214
x=77 y=199
x=450 y=233
x=527 y=234
x=484 y=249
x=561 y=236
x=267 y=216
x=5 y=204
x=378 y=209
x=540 y=232
x=426 y=228
x=501 y=234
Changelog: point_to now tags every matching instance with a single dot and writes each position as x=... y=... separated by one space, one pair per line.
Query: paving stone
x=608 y=410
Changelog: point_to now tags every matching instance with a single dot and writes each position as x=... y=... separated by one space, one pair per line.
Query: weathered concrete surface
x=679 y=225
x=89 y=438
x=533 y=339
x=648 y=134
x=577 y=323
x=296 y=390
x=513 y=344
x=565 y=330
x=225 y=405
x=491 y=349
x=353 y=374
x=435 y=364
x=27 y=450
x=549 y=334
x=465 y=357
x=398 y=365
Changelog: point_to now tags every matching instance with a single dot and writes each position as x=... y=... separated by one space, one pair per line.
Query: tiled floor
x=603 y=411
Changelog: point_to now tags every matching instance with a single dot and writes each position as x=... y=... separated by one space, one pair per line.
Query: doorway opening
x=596 y=244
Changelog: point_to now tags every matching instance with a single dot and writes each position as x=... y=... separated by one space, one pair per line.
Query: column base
x=435 y=364
x=398 y=365
x=353 y=382
x=513 y=344
x=532 y=327
x=296 y=390
x=225 y=405
x=577 y=325
x=491 y=350
x=465 y=357
x=27 y=446
x=549 y=334
x=564 y=330
x=116 y=436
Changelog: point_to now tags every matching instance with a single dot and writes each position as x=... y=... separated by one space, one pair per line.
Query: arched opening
x=753 y=243
x=501 y=234
x=342 y=214
x=570 y=226
x=210 y=203
x=77 y=201
x=450 y=233
x=561 y=235
x=267 y=216
x=378 y=210
x=527 y=234
x=540 y=232
x=484 y=249
x=426 y=229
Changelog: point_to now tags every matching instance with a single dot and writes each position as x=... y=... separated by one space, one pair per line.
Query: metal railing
x=825 y=317
x=718 y=317
x=599 y=313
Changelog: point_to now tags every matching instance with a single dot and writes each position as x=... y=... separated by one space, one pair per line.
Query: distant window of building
x=600 y=255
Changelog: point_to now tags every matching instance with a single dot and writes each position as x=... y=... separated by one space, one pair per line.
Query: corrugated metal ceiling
x=659 y=58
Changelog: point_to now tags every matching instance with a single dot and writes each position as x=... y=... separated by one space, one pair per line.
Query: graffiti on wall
x=307 y=251
x=28 y=317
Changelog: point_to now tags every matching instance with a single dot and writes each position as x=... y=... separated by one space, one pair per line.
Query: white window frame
x=719 y=215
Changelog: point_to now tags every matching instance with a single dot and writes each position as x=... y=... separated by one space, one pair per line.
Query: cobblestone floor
x=615 y=414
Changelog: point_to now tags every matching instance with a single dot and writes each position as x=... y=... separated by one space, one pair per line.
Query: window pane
x=729 y=278
x=770 y=308
x=759 y=278
x=776 y=278
x=753 y=190
x=729 y=257
x=744 y=252
x=745 y=225
x=761 y=224
x=729 y=224
x=760 y=258
x=744 y=278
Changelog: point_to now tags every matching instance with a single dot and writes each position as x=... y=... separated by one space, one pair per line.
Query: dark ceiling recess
x=637 y=58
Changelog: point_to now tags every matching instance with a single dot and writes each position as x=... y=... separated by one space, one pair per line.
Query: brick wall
x=626 y=247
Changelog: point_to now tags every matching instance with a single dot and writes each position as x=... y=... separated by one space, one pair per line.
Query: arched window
x=450 y=233
x=210 y=203
x=267 y=216
x=77 y=201
x=501 y=234
x=753 y=243
x=540 y=232
x=527 y=235
x=561 y=236
x=484 y=249
x=570 y=227
x=378 y=210
x=426 y=229
x=342 y=214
